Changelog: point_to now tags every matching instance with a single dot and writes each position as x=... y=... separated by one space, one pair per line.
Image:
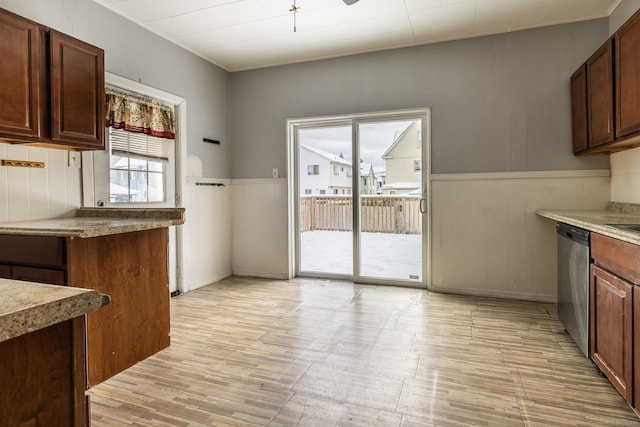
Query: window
x=417 y=165
x=323 y=191
x=137 y=172
x=392 y=192
x=313 y=170
x=335 y=170
x=307 y=191
x=335 y=191
x=365 y=181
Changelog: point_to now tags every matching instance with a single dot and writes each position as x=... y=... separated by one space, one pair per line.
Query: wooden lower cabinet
x=42 y=375
x=612 y=328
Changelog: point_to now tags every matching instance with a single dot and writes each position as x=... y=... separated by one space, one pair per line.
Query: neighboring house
x=368 y=181
x=403 y=161
x=322 y=172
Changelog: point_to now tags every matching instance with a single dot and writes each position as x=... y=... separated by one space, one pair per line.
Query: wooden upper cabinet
x=20 y=100
x=77 y=92
x=600 y=95
x=627 y=42
x=51 y=87
x=579 y=109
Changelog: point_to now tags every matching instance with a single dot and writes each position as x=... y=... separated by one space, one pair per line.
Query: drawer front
x=617 y=256
x=40 y=275
x=32 y=250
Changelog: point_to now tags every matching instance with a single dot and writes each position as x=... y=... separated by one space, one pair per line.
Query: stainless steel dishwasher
x=573 y=283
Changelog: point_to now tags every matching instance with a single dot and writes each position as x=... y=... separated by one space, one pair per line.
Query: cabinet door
x=627 y=41
x=77 y=92
x=600 y=95
x=579 y=109
x=20 y=101
x=611 y=328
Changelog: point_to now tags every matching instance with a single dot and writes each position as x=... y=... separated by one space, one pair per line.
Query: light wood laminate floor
x=323 y=353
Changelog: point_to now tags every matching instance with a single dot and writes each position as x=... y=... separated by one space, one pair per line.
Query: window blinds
x=139 y=145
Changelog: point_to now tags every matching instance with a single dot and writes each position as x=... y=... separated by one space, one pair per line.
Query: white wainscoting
x=486 y=238
x=29 y=193
x=206 y=232
x=259 y=208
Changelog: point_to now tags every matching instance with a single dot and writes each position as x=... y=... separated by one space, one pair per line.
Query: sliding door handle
x=422 y=205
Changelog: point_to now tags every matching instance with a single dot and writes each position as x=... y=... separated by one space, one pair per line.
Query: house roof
x=329 y=156
x=399 y=137
x=366 y=169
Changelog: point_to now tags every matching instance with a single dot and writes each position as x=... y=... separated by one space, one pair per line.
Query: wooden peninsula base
x=42 y=354
x=43 y=377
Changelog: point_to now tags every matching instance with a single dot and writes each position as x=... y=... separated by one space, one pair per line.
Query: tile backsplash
x=31 y=193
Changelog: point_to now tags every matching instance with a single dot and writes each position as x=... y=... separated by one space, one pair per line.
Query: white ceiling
x=246 y=34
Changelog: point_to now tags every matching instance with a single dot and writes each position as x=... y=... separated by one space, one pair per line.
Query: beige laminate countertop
x=26 y=306
x=97 y=222
x=598 y=221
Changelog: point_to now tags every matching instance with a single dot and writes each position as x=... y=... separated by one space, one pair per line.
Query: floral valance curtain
x=139 y=115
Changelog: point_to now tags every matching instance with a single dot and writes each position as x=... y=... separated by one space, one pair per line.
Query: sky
x=375 y=139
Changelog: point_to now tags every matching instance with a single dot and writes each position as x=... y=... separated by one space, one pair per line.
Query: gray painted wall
x=135 y=53
x=619 y=16
x=500 y=103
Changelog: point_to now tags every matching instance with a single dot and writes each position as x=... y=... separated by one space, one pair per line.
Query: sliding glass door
x=325 y=208
x=389 y=198
x=359 y=198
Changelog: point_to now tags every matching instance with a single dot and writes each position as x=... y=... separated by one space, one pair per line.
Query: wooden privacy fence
x=378 y=214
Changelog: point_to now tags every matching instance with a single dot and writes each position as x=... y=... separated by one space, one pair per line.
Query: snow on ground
x=394 y=256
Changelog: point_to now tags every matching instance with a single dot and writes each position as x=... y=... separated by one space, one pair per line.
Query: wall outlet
x=275 y=172
x=74 y=159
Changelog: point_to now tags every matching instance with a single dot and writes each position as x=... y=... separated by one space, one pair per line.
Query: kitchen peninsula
x=119 y=252
x=42 y=353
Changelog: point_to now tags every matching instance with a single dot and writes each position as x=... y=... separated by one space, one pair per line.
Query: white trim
x=495 y=294
x=111 y=79
x=613 y=7
x=483 y=176
x=253 y=181
x=321 y=121
x=243 y=273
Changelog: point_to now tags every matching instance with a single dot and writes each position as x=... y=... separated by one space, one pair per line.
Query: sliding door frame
x=353 y=120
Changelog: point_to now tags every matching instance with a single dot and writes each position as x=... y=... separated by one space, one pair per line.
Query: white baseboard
x=488 y=293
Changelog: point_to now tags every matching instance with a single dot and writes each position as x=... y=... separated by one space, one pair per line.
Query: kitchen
x=508 y=160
